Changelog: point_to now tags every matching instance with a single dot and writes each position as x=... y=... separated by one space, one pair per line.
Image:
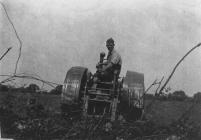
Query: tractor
x=91 y=95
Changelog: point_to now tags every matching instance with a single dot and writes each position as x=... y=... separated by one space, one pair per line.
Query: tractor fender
x=132 y=94
x=76 y=79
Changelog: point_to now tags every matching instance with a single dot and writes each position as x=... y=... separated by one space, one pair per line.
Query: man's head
x=110 y=44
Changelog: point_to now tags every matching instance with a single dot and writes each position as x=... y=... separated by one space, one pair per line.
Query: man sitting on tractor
x=107 y=70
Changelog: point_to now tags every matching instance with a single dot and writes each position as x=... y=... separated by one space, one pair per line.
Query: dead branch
x=156 y=92
x=5 y=53
x=153 y=83
x=11 y=77
x=20 y=42
x=166 y=82
x=7 y=80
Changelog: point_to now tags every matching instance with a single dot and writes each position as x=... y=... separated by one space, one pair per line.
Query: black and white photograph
x=100 y=70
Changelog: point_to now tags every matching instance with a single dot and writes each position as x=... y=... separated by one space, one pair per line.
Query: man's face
x=110 y=47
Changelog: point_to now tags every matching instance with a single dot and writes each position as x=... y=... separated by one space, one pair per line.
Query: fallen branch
x=72 y=128
x=98 y=124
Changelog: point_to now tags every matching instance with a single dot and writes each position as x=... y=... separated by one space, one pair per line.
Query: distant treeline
x=179 y=95
x=32 y=88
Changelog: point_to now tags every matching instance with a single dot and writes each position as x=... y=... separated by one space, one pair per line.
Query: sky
x=151 y=37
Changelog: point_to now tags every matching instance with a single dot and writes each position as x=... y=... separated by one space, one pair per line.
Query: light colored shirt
x=114 y=57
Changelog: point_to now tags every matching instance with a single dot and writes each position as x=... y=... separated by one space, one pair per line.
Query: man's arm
x=114 y=60
x=109 y=65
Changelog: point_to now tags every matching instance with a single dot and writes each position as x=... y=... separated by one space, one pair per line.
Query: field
x=25 y=113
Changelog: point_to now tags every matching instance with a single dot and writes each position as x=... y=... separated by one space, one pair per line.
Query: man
x=113 y=64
